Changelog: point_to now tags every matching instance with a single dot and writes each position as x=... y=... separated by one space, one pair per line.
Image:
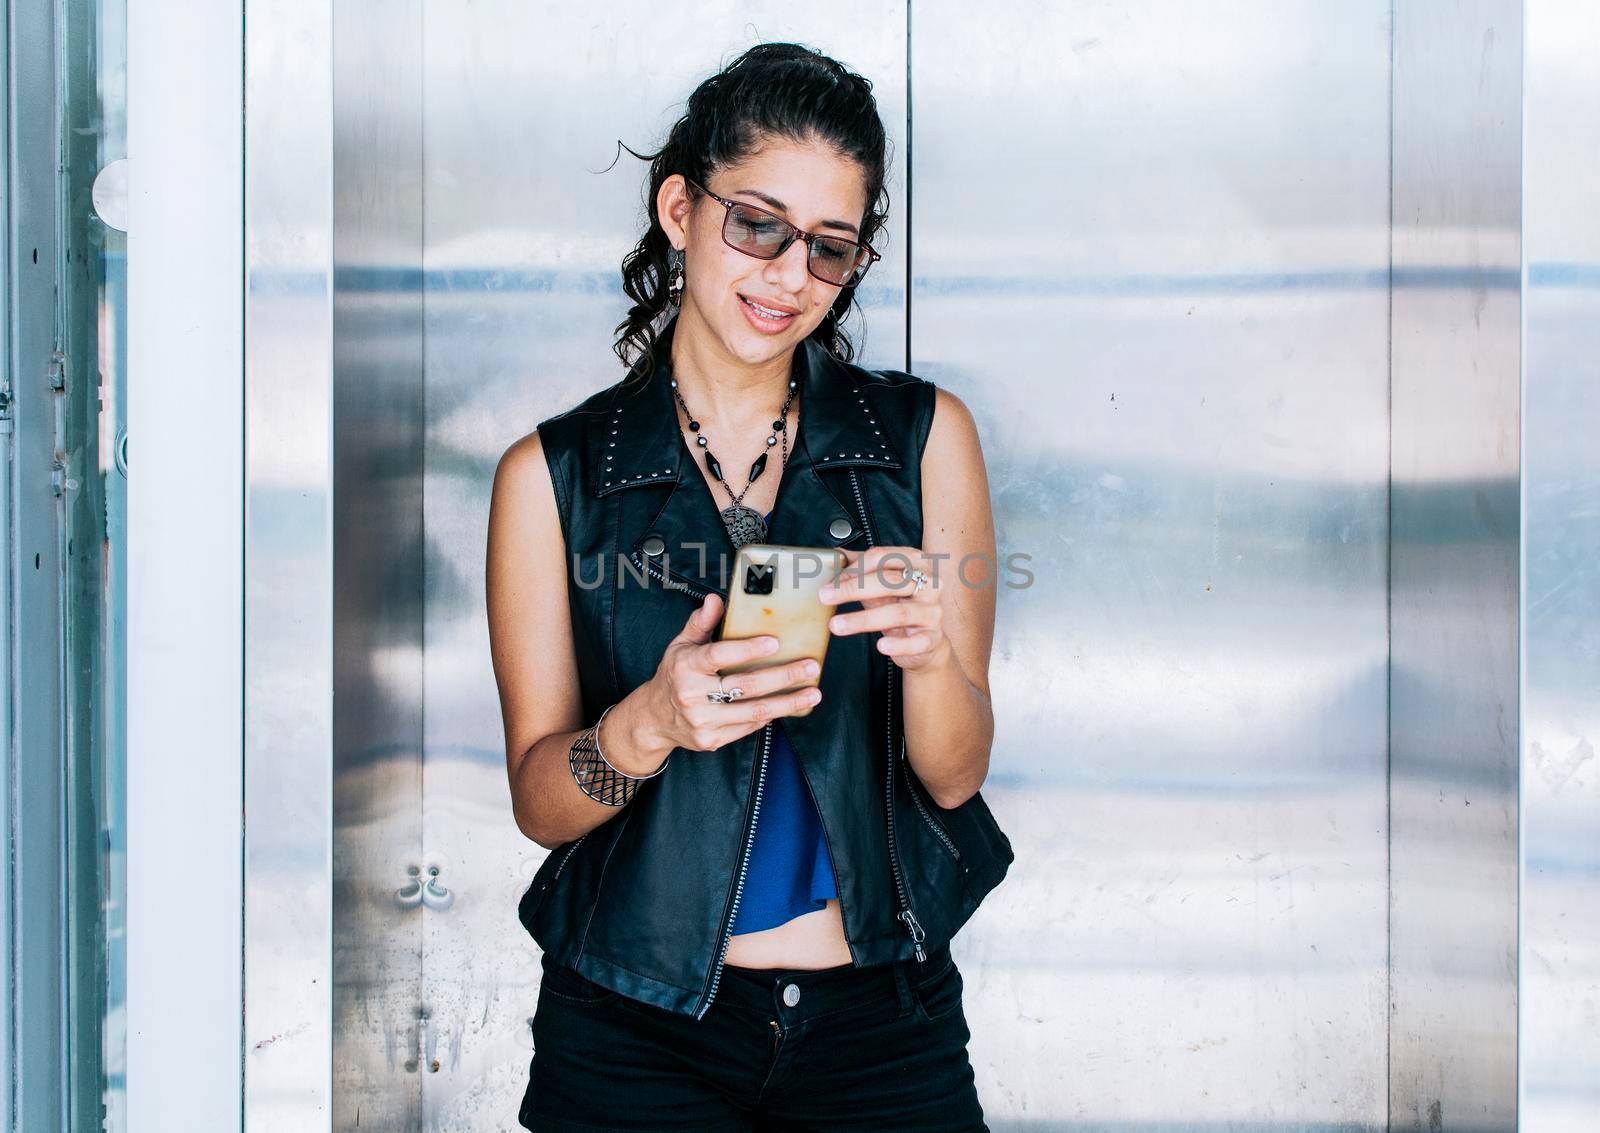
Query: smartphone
x=774 y=591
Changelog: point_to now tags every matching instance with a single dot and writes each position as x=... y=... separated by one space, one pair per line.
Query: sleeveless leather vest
x=643 y=903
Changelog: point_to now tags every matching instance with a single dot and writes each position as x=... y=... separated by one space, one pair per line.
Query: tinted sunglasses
x=766 y=236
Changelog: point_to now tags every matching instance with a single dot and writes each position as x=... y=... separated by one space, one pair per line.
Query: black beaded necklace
x=744 y=524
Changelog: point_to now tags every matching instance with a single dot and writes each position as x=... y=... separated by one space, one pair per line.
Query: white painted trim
x=185 y=565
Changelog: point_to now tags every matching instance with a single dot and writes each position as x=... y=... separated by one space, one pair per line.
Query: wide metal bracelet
x=593 y=771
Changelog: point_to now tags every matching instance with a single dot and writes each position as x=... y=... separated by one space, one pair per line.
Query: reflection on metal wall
x=381 y=1038
x=1150 y=249
x=531 y=207
x=1154 y=257
x=1453 y=601
x=288 y=632
x=1560 y=955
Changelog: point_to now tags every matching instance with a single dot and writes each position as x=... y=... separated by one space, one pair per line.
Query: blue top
x=790 y=872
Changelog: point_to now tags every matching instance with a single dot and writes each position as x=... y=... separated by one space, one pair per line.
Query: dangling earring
x=675 y=279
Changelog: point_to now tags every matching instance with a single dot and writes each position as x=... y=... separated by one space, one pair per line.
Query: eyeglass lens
x=765 y=237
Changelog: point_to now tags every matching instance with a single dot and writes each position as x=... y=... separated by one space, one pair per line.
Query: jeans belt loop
x=902 y=986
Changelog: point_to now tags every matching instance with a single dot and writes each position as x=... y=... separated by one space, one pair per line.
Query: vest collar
x=641 y=444
x=638 y=444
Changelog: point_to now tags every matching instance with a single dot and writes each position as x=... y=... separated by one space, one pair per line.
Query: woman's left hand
x=909 y=616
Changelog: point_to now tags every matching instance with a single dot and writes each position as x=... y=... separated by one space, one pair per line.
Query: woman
x=745 y=919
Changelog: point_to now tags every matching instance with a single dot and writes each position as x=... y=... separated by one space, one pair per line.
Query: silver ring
x=919 y=577
x=720 y=695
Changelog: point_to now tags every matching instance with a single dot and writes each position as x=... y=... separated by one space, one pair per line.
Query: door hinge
x=60 y=482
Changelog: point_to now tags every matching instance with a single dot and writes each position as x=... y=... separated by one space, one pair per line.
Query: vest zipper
x=572 y=849
x=674 y=582
x=861 y=508
x=906 y=915
x=933 y=823
x=750 y=826
x=544 y=890
x=744 y=865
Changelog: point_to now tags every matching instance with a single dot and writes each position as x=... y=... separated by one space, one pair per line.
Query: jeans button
x=791 y=994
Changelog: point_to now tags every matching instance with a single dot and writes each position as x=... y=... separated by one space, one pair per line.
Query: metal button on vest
x=791 y=994
x=839 y=528
x=654 y=545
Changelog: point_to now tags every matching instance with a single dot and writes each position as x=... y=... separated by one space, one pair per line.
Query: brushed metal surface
x=1154 y=257
x=1453 y=568
x=1150 y=250
x=1559 y=1049
x=380 y=1001
x=531 y=207
x=288 y=583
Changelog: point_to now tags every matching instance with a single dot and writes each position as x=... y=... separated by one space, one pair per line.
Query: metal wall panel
x=1150 y=252
x=381 y=1037
x=531 y=207
x=1454 y=577
x=337 y=1017
x=288 y=925
x=1154 y=257
x=1560 y=939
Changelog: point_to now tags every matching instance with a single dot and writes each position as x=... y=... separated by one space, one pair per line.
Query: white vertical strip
x=185 y=579
x=1559 y=943
x=288 y=927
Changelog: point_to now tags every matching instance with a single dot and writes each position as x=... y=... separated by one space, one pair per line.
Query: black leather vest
x=643 y=903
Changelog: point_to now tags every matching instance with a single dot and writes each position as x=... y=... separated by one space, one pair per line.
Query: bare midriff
x=811 y=940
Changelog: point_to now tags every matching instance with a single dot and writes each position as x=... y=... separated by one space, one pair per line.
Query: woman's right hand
x=679 y=712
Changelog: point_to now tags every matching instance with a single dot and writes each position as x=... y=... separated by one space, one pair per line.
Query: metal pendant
x=745 y=525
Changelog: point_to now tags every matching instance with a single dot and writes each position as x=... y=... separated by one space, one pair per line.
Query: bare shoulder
x=525 y=556
x=523 y=457
x=952 y=461
x=523 y=494
x=957 y=519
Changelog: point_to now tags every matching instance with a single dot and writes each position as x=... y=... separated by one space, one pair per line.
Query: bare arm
x=535 y=667
x=949 y=720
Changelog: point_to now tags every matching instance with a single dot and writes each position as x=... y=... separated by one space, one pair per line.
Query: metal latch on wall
x=418 y=892
x=427 y=1048
x=60 y=482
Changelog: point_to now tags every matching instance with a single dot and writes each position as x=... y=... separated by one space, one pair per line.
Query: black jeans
x=883 y=1047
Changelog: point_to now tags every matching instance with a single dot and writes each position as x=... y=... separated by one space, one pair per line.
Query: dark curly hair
x=773 y=90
